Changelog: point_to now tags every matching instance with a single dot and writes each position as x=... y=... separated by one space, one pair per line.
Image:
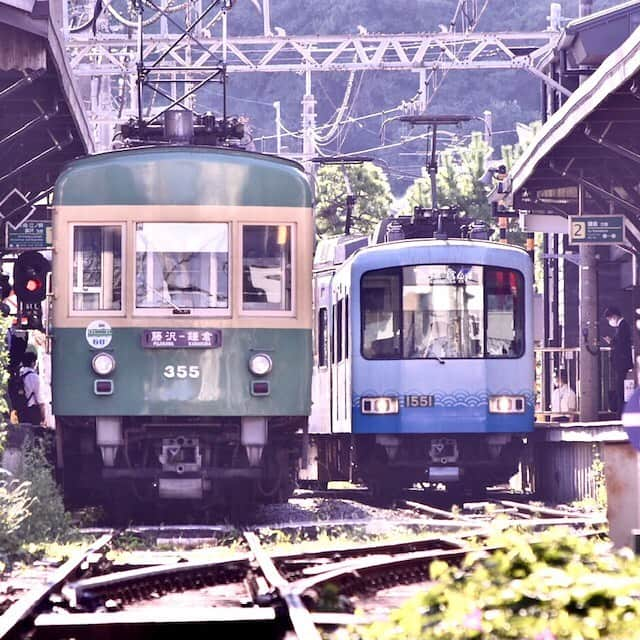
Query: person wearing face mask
x=621 y=358
x=563 y=399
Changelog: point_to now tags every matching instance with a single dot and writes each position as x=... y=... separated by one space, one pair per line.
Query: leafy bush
x=562 y=587
x=48 y=519
x=15 y=504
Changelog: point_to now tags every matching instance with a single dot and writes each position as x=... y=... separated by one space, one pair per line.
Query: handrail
x=551 y=359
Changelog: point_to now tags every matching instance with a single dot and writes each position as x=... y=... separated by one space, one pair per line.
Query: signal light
x=33 y=285
x=29 y=276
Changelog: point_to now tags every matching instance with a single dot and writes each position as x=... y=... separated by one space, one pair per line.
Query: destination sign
x=32 y=234
x=181 y=338
x=596 y=229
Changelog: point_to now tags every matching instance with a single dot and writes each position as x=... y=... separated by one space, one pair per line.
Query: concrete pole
x=590 y=382
x=308 y=124
x=584 y=8
x=488 y=128
x=266 y=18
x=276 y=106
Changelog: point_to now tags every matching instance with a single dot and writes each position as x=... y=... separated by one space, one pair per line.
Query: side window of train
x=346 y=326
x=381 y=314
x=339 y=334
x=322 y=337
x=194 y=279
x=96 y=282
x=504 y=291
x=334 y=333
x=267 y=280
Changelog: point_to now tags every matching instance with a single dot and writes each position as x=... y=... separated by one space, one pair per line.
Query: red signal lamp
x=33 y=285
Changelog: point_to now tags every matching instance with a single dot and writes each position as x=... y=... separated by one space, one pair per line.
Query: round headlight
x=260 y=364
x=103 y=364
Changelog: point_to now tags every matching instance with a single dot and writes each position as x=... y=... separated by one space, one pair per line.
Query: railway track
x=265 y=594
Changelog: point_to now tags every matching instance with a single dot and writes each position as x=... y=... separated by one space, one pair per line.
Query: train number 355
x=181 y=371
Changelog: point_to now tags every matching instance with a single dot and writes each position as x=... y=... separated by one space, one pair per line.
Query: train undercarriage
x=387 y=463
x=129 y=462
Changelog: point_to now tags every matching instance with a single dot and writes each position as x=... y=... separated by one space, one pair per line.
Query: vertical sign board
x=596 y=229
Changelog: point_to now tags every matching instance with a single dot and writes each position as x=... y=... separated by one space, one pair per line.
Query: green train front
x=181 y=324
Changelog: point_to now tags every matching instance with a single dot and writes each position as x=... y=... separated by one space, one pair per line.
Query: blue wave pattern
x=458 y=398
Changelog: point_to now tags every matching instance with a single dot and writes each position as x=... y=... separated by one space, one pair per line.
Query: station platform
x=565 y=461
x=598 y=431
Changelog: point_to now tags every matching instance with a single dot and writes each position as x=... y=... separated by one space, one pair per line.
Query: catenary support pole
x=590 y=382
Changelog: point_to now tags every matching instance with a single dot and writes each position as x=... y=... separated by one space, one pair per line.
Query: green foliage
x=458 y=181
x=597 y=469
x=48 y=519
x=15 y=508
x=367 y=182
x=4 y=379
x=562 y=587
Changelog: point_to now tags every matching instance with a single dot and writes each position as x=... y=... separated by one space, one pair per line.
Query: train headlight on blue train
x=103 y=363
x=381 y=405
x=260 y=364
x=506 y=404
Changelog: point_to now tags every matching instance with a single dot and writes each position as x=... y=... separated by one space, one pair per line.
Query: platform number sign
x=578 y=230
x=596 y=229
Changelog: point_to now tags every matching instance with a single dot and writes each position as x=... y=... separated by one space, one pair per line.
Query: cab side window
x=266 y=268
x=97 y=268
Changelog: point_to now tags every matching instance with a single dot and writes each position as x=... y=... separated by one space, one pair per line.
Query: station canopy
x=42 y=123
x=593 y=139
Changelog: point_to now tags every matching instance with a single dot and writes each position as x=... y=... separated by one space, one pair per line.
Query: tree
x=460 y=170
x=526 y=134
x=367 y=182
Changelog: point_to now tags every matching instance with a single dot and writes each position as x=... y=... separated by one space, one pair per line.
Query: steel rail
x=138 y=583
x=299 y=615
x=256 y=622
x=363 y=576
x=19 y=613
x=135 y=583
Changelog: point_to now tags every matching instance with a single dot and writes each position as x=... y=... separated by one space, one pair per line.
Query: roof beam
x=597 y=189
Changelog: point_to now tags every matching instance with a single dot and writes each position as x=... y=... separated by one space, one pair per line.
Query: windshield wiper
x=168 y=300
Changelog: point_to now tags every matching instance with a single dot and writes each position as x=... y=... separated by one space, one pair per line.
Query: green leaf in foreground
x=561 y=588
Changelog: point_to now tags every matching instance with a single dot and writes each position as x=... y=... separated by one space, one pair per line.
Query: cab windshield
x=442 y=311
x=182 y=265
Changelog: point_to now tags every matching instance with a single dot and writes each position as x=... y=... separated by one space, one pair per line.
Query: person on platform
x=35 y=412
x=621 y=358
x=563 y=399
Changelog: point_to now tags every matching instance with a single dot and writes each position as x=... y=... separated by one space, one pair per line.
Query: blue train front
x=425 y=348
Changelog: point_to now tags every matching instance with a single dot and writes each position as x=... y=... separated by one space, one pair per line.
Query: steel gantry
x=192 y=50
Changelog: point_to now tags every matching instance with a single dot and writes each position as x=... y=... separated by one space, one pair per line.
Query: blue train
x=423 y=357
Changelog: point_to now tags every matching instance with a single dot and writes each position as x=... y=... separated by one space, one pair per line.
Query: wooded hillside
x=511 y=96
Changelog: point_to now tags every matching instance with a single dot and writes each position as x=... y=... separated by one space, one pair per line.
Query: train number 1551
x=418 y=401
x=181 y=371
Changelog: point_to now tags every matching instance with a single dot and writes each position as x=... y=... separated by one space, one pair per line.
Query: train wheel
x=469 y=489
x=385 y=491
x=116 y=501
x=278 y=480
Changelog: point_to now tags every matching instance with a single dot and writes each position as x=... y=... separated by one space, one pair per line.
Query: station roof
x=42 y=122
x=589 y=141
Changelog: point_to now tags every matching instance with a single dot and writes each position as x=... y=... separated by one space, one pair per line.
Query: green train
x=181 y=325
